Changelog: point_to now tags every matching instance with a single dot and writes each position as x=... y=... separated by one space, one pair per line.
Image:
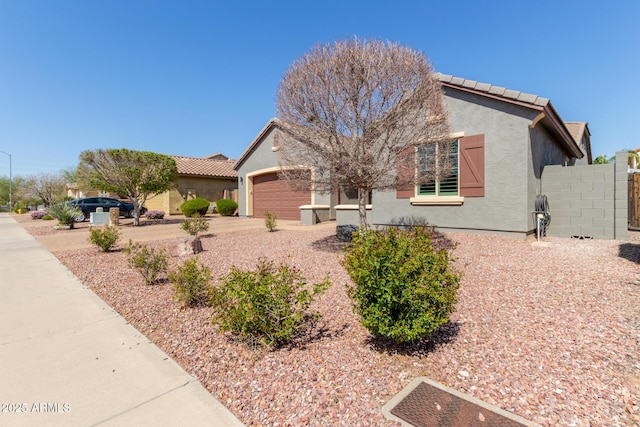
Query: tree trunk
x=362 y=207
x=136 y=214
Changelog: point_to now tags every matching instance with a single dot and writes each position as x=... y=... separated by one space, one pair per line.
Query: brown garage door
x=276 y=196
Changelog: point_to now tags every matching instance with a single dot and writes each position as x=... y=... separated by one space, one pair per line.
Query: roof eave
x=556 y=125
x=270 y=124
x=541 y=104
x=496 y=97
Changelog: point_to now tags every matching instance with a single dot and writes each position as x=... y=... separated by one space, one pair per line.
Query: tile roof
x=494 y=90
x=576 y=129
x=549 y=116
x=205 y=167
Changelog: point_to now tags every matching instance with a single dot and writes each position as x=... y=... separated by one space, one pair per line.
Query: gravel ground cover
x=551 y=333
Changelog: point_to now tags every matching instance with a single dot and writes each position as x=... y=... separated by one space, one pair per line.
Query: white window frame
x=436 y=199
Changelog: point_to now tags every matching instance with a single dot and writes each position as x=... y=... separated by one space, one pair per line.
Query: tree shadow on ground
x=315 y=330
x=148 y=222
x=446 y=334
x=630 y=251
x=329 y=244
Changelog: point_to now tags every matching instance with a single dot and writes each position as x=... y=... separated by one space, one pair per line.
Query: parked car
x=91 y=204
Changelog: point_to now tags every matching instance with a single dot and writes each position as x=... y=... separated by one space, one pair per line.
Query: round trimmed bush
x=403 y=286
x=226 y=207
x=193 y=206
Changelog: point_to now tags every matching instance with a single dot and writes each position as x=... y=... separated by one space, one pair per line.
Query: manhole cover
x=425 y=403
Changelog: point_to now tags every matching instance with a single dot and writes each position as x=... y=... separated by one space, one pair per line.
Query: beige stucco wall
x=211 y=189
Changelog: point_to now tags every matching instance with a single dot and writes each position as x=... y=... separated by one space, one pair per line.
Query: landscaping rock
x=189 y=246
x=344 y=232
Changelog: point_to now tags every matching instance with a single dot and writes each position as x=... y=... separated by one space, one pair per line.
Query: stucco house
x=211 y=177
x=503 y=140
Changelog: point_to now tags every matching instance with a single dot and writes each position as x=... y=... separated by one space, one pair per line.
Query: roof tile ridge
x=493 y=89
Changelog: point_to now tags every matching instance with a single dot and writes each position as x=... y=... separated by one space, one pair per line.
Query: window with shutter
x=465 y=177
x=443 y=185
x=472 y=166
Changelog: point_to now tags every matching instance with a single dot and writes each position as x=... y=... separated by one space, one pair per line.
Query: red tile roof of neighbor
x=205 y=167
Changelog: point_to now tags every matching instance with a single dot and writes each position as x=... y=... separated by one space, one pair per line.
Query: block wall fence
x=588 y=201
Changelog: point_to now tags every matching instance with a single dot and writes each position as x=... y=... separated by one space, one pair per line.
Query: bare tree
x=354 y=112
x=48 y=187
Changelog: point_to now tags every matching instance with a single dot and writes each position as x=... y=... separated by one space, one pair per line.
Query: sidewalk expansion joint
x=192 y=380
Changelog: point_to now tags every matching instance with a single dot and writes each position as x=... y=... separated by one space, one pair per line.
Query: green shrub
x=105 y=238
x=403 y=287
x=149 y=262
x=193 y=206
x=270 y=221
x=191 y=283
x=65 y=213
x=47 y=217
x=195 y=225
x=226 y=207
x=267 y=305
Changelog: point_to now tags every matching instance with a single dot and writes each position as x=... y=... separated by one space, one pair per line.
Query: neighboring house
x=210 y=177
x=503 y=141
x=74 y=191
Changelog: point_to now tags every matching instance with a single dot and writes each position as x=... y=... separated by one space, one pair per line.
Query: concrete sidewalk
x=68 y=359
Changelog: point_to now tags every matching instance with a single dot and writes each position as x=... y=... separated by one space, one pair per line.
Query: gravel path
x=549 y=332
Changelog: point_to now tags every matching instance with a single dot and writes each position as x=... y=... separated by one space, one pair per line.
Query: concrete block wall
x=622 y=196
x=587 y=200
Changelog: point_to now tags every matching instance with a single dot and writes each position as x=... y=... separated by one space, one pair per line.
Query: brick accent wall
x=588 y=200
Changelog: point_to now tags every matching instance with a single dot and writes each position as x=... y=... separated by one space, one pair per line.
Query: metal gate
x=634 y=201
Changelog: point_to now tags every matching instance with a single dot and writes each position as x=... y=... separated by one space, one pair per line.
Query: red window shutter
x=406 y=169
x=472 y=166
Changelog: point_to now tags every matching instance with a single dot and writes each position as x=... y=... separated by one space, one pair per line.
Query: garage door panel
x=276 y=196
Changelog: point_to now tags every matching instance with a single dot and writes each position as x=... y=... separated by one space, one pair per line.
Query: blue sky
x=199 y=77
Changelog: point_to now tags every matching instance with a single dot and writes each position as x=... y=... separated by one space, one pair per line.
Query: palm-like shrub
x=65 y=213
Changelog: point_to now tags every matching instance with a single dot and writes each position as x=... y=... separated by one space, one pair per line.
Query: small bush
x=403 y=287
x=153 y=214
x=195 y=225
x=191 y=283
x=193 y=206
x=47 y=217
x=270 y=221
x=150 y=263
x=37 y=214
x=105 y=238
x=65 y=213
x=266 y=305
x=226 y=207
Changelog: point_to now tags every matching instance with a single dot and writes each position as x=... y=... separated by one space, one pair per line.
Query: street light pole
x=10 y=181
